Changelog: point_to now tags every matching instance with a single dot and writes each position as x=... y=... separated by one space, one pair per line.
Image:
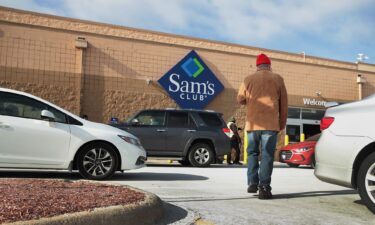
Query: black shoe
x=238 y=163
x=252 y=188
x=229 y=163
x=265 y=194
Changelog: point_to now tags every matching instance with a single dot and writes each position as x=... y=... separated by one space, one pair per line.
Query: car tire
x=313 y=161
x=364 y=182
x=201 y=155
x=97 y=161
x=184 y=162
x=293 y=165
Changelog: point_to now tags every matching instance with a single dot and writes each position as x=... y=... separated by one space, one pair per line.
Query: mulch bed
x=27 y=199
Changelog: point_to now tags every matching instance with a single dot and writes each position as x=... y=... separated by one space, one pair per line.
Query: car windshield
x=313 y=138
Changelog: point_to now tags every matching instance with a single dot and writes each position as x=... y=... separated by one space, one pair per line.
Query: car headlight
x=299 y=150
x=130 y=140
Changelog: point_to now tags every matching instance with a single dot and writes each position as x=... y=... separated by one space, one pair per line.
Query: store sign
x=314 y=102
x=190 y=83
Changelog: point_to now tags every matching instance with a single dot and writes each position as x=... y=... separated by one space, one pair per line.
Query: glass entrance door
x=310 y=130
x=293 y=130
x=294 y=133
x=310 y=127
x=303 y=122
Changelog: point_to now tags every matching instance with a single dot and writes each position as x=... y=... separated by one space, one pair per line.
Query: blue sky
x=335 y=29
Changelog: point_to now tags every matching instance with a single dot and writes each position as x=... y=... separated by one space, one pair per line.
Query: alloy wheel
x=370 y=182
x=201 y=155
x=98 y=162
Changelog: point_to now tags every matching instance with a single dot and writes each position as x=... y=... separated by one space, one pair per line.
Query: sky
x=334 y=29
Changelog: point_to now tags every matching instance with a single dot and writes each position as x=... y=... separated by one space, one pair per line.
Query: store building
x=106 y=71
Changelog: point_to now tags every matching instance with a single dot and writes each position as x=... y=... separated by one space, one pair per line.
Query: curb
x=150 y=211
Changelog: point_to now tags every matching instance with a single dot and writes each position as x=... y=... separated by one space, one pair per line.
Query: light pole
x=361 y=57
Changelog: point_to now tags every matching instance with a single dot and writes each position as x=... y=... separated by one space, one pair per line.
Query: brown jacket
x=266 y=99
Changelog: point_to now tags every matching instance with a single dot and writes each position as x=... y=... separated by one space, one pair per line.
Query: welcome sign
x=190 y=83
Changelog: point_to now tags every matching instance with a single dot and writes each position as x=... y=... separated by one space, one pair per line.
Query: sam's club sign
x=191 y=83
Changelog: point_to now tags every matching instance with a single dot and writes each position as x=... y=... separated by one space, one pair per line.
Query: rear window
x=211 y=119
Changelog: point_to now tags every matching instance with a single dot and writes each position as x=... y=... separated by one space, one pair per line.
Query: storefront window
x=304 y=121
x=294 y=113
x=312 y=114
x=294 y=133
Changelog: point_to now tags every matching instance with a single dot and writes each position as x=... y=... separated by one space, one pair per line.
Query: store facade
x=105 y=71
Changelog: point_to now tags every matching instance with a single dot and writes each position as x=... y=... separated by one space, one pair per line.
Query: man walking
x=235 y=141
x=265 y=97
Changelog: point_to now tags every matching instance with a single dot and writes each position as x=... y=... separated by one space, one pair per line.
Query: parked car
x=345 y=152
x=193 y=137
x=36 y=134
x=302 y=153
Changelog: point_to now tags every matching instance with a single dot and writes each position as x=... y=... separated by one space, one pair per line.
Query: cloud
x=263 y=21
x=28 y=5
x=251 y=22
x=238 y=20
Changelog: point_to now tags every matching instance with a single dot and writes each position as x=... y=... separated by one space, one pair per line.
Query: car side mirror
x=134 y=122
x=47 y=115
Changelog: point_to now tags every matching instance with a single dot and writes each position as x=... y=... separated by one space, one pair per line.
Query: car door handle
x=191 y=131
x=160 y=130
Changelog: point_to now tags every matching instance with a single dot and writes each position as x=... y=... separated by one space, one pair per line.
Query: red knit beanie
x=263 y=59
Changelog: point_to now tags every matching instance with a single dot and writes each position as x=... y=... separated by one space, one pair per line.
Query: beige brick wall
x=39 y=62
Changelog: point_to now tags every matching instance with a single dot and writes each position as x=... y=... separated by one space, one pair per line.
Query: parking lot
x=217 y=195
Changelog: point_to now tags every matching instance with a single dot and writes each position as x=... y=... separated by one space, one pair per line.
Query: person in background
x=265 y=97
x=235 y=141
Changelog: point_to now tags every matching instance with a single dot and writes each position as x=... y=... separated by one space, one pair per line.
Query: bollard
x=286 y=141
x=245 y=159
x=302 y=137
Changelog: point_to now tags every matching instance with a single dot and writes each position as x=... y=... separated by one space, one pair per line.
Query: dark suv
x=194 y=137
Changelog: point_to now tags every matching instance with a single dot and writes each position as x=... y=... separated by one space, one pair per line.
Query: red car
x=300 y=153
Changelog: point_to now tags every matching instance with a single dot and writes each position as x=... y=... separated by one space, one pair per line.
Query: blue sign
x=190 y=83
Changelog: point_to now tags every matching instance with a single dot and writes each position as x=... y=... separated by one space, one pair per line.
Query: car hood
x=305 y=144
x=106 y=128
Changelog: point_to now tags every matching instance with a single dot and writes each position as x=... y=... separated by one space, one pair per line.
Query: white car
x=345 y=152
x=36 y=134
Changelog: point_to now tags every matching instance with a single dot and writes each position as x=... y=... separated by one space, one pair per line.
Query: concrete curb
x=150 y=211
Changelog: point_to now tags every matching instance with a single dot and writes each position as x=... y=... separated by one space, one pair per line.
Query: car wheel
x=97 y=161
x=366 y=182
x=201 y=155
x=293 y=165
x=313 y=162
x=184 y=162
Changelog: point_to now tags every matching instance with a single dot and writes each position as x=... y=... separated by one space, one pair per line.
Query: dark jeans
x=236 y=146
x=261 y=175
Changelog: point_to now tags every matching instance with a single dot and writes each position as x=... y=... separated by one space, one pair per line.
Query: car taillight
x=326 y=122
x=226 y=130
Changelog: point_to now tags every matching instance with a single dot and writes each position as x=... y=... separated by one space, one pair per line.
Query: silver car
x=345 y=152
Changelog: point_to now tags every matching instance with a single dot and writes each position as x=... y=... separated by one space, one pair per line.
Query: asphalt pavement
x=217 y=195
